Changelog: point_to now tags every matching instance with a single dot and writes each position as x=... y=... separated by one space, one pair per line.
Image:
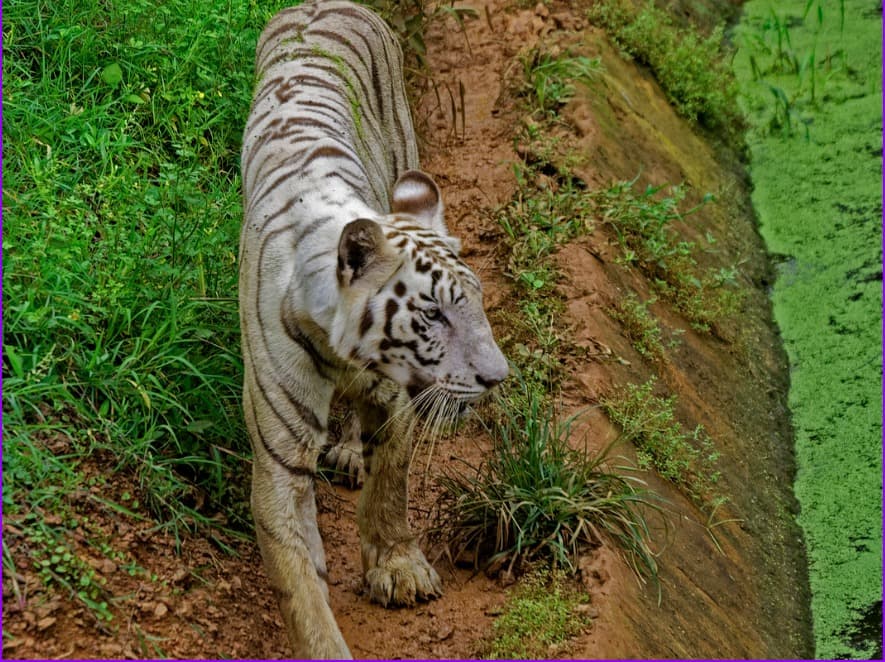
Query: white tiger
x=349 y=285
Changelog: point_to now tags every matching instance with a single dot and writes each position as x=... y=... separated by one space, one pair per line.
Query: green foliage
x=640 y=327
x=691 y=69
x=57 y=562
x=549 y=80
x=535 y=496
x=122 y=130
x=686 y=458
x=643 y=224
x=540 y=617
x=544 y=214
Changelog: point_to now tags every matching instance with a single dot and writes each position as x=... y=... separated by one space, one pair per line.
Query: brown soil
x=746 y=598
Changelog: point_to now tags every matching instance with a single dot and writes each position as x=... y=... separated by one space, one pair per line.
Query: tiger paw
x=401 y=576
x=345 y=463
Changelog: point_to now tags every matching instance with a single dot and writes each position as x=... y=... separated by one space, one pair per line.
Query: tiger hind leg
x=396 y=571
x=284 y=510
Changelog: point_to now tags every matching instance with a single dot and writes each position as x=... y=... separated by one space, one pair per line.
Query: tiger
x=350 y=290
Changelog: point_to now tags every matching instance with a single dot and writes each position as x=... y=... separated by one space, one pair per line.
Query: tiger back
x=350 y=287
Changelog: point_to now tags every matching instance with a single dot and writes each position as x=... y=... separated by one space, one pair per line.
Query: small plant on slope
x=686 y=458
x=549 y=80
x=536 y=222
x=541 y=616
x=640 y=327
x=643 y=222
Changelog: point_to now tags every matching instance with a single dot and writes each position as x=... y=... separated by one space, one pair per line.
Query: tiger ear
x=364 y=253
x=417 y=194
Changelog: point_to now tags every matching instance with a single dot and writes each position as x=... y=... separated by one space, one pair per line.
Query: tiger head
x=408 y=307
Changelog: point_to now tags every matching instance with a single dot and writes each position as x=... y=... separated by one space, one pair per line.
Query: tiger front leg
x=396 y=571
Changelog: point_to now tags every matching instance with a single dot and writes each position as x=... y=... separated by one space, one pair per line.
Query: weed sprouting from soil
x=549 y=79
x=539 y=219
x=541 y=615
x=643 y=223
x=639 y=325
x=686 y=458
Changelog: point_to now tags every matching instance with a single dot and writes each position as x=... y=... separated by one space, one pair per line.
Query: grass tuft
x=549 y=79
x=535 y=497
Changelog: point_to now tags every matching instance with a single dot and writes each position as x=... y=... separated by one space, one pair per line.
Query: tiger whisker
x=431 y=404
x=445 y=412
x=410 y=407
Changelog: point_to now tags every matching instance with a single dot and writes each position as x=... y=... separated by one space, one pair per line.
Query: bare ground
x=742 y=595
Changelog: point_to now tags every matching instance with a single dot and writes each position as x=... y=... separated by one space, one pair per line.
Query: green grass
x=549 y=81
x=693 y=70
x=537 y=497
x=121 y=140
x=542 y=614
x=643 y=222
x=122 y=208
x=536 y=222
x=687 y=458
x=640 y=327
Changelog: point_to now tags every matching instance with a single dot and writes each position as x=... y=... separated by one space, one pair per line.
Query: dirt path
x=747 y=600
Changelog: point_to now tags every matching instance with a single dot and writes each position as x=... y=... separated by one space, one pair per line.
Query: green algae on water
x=810 y=80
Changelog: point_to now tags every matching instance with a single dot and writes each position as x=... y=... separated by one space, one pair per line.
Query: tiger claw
x=346 y=464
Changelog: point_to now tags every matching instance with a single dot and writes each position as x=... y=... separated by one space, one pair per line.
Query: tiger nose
x=494 y=368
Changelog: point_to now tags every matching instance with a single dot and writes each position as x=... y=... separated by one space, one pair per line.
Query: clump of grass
x=693 y=70
x=535 y=497
x=542 y=614
x=640 y=327
x=687 y=458
x=643 y=223
x=549 y=79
